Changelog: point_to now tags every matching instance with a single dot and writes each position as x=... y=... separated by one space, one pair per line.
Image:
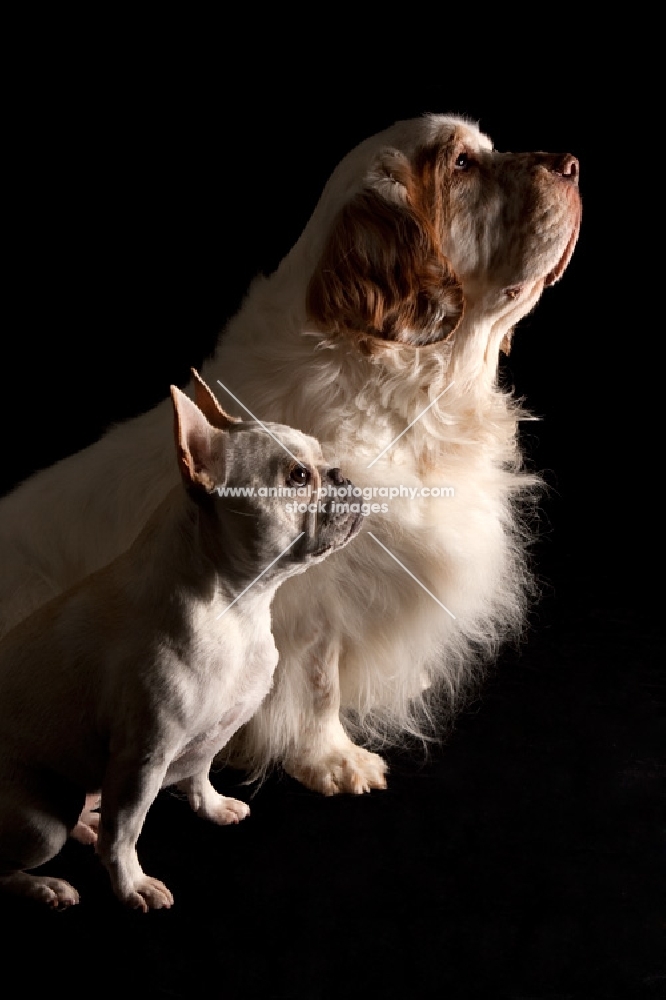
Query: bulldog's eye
x=299 y=475
x=463 y=162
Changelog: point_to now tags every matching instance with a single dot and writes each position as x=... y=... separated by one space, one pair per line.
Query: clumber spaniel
x=379 y=334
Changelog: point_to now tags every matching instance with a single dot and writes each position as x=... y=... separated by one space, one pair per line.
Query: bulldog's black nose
x=337 y=477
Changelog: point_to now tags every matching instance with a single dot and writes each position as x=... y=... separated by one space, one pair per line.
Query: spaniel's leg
x=299 y=723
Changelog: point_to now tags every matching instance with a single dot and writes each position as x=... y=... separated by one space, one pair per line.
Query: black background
x=522 y=859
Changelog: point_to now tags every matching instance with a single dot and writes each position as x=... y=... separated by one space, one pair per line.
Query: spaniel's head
x=426 y=222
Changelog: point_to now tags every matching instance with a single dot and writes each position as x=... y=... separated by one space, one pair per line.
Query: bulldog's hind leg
x=87 y=825
x=31 y=833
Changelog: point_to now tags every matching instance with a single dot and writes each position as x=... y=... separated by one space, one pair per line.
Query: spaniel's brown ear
x=209 y=406
x=382 y=273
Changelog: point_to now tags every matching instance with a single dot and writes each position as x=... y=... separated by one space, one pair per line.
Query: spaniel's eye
x=463 y=162
x=299 y=475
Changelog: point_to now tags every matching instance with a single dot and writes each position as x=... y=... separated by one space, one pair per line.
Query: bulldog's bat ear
x=201 y=449
x=209 y=406
x=505 y=343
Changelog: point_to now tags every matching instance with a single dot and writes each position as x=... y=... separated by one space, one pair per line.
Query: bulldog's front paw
x=148 y=894
x=225 y=811
x=350 y=769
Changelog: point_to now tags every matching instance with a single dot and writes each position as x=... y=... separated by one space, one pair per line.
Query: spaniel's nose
x=566 y=166
x=337 y=477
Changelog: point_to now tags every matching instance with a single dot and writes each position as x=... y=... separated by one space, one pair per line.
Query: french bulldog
x=137 y=677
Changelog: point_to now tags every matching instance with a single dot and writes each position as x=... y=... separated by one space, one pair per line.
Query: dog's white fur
x=424 y=251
